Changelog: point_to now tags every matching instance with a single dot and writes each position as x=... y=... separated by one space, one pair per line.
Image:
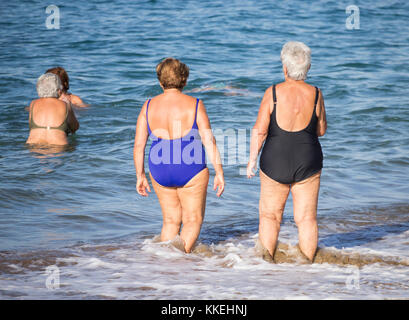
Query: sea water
x=71 y=223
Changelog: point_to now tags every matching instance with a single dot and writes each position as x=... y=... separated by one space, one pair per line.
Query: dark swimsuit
x=173 y=162
x=63 y=127
x=289 y=157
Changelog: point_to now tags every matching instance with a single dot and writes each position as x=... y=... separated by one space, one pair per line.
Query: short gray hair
x=48 y=86
x=296 y=57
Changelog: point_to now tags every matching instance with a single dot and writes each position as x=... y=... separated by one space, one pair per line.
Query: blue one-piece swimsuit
x=174 y=162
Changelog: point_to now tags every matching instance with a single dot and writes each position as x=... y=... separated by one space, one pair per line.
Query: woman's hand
x=218 y=184
x=142 y=185
x=251 y=169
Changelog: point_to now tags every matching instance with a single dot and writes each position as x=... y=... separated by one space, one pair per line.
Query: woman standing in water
x=180 y=131
x=50 y=119
x=290 y=120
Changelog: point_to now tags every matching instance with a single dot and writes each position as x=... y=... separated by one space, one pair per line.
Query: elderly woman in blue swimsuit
x=290 y=120
x=180 y=131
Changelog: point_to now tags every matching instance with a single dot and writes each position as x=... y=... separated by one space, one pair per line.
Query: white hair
x=48 y=86
x=296 y=57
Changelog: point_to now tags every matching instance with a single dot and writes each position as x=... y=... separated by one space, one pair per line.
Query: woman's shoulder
x=187 y=97
x=34 y=101
x=314 y=91
x=47 y=101
x=311 y=86
x=191 y=100
x=274 y=87
x=268 y=93
x=60 y=102
x=57 y=104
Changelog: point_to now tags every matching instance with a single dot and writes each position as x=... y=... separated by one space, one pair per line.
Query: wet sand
x=286 y=253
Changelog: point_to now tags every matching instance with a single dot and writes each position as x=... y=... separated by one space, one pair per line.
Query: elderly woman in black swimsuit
x=290 y=120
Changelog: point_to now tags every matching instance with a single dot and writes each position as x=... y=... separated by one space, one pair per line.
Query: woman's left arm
x=141 y=137
x=209 y=142
x=322 y=117
x=259 y=132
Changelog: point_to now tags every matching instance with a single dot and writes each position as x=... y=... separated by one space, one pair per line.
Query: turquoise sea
x=75 y=214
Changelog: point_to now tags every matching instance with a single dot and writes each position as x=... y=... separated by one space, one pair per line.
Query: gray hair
x=48 y=86
x=296 y=57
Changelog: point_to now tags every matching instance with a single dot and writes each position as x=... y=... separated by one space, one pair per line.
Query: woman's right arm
x=141 y=137
x=209 y=143
x=259 y=132
x=322 y=117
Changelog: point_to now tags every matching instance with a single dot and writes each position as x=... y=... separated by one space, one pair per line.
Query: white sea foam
x=148 y=269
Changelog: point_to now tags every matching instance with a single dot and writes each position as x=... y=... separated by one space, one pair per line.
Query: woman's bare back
x=295 y=105
x=171 y=115
x=48 y=112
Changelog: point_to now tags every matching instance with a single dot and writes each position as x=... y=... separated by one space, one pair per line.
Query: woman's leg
x=273 y=196
x=305 y=200
x=193 y=201
x=171 y=210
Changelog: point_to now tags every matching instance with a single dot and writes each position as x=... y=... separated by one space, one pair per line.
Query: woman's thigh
x=169 y=201
x=305 y=197
x=273 y=196
x=193 y=196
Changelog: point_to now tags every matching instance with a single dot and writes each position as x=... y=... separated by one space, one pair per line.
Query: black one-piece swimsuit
x=287 y=156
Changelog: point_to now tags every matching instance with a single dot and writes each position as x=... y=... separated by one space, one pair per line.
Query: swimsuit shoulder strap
x=197 y=106
x=31 y=112
x=274 y=100
x=147 y=122
x=317 y=94
x=32 y=124
x=274 y=95
x=64 y=126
